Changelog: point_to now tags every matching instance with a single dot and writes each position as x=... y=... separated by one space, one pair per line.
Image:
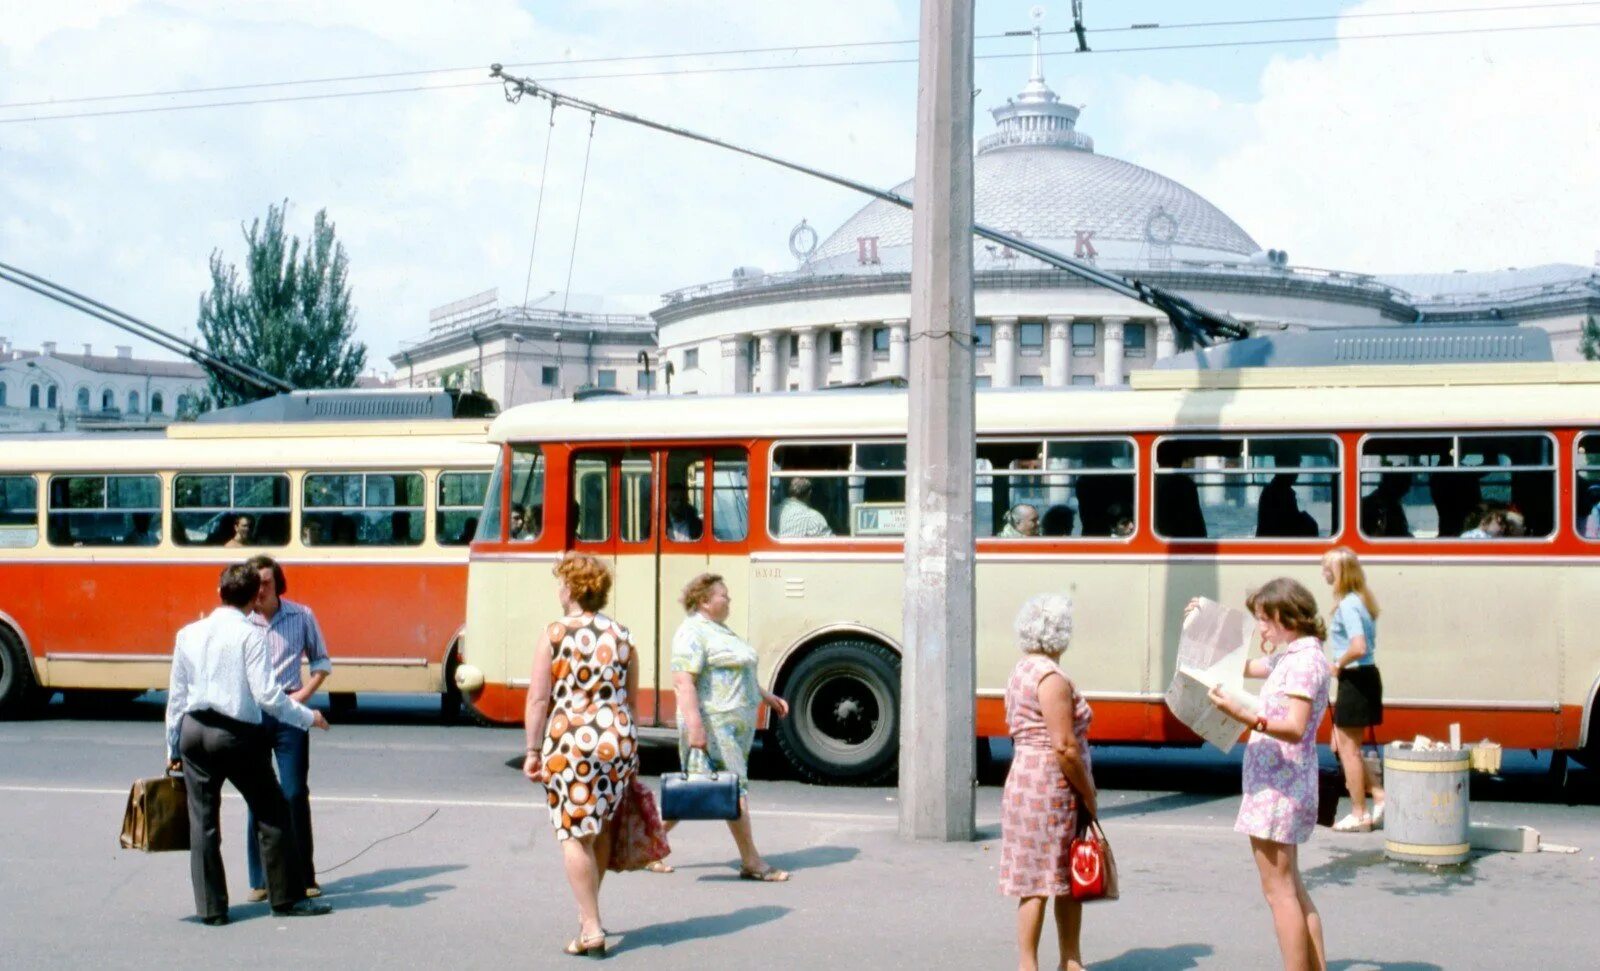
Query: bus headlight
x=469 y=680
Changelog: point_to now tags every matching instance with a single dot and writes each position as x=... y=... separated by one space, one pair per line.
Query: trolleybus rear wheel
x=844 y=714
x=18 y=693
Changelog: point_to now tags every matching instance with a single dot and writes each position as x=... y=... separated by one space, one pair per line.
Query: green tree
x=1589 y=339
x=288 y=313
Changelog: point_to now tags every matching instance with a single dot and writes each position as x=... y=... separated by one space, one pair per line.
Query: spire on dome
x=1036 y=116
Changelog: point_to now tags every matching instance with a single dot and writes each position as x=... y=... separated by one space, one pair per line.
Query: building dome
x=1038 y=176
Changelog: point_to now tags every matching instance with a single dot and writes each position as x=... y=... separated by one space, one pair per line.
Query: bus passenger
x=1279 y=809
x=584 y=752
x=796 y=518
x=1383 y=510
x=1022 y=522
x=243 y=531
x=1353 y=636
x=714 y=676
x=1058 y=521
x=311 y=533
x=683 y=523
x=1122 y=528
x=519 y=524
x=1489 y=521
x=293 y=636
x=1049 y=783
x=1279 y=514
x=221 y=687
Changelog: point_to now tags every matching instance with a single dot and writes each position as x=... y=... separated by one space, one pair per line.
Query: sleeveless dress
x=590 y=746
x=1039 y=809
x=1280 y=778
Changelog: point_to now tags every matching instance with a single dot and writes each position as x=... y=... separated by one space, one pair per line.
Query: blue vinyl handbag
x=698 y=792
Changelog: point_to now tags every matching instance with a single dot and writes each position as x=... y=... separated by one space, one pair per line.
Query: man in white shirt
x=221 y=685
x=796 y=518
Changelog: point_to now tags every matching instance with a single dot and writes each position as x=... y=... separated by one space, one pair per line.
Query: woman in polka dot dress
x=580 y=732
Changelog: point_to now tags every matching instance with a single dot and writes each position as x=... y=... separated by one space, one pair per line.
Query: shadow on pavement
x=1172 y=800
x=1178 y=957
x=699 y=928
x=364 y=890
x=1368 y=964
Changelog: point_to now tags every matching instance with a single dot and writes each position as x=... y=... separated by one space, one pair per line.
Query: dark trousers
x=292 y=749
x=218 y=749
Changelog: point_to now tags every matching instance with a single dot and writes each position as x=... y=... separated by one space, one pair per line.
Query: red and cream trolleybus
x=1188 y=483
x=109 y=543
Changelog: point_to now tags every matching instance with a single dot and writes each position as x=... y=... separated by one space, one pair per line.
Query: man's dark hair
x=265 y=562
x=239 y=585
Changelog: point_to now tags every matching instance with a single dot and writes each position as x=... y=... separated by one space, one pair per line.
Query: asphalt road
x=451 y=861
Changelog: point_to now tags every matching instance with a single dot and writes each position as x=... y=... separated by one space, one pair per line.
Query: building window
x=133 y=402
x=183 y=405
x=1083 y=380
x=606 y=378
x=753 y=351
x=1134 y=337
x=983 y=336
x=1030 y=381
x=647 y=381
x=982 y=381
x=157 y=405
x=691 y=358
x=1030 y=335
x=549 y=375
x=836 y=344
x=1083 y=339
x=108 y=400
x=880 y=341
x=794 y=346
x=83 y=399
x=2 y=394
x=51 y=397
x=33 y=396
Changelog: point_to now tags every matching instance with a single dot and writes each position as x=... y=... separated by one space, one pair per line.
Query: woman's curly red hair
x=587 y=579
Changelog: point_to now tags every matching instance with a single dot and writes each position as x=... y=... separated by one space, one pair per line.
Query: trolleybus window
x=527 y=498
x=230 y=510
x=1031 y=489
x=105 y=510
x=459 y=503
x=591 y=498
x=1587 y=474
x=636 y=485
x=686 y=516
x=730 y=494
x=1467 y=486
x=852 y=489
x=1247 y=488
x=364 y=508
x=19 y=511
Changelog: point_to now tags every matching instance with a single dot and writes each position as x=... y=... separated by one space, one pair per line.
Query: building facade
x=46 y=390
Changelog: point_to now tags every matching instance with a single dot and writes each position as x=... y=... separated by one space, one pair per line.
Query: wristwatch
x=1261 y=724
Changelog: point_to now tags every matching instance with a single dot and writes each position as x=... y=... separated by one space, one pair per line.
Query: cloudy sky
x=1476 y=149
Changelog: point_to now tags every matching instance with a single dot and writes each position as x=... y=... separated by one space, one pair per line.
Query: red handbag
x=1090 y=863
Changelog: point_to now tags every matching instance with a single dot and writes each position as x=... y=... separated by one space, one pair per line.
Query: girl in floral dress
x=1279 y=810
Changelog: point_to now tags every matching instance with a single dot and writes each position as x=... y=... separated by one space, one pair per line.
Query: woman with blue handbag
x=714 y=675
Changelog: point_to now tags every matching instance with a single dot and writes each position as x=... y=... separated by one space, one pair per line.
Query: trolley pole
x=938 y=677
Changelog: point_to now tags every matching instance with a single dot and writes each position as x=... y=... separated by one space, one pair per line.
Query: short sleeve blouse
x=1349 y=619
x=722 y=663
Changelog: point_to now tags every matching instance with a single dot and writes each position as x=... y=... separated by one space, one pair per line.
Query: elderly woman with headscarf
x=1049 y=782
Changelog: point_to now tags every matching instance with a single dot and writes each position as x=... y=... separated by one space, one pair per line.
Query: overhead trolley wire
x=750 y=68
x=789 y=48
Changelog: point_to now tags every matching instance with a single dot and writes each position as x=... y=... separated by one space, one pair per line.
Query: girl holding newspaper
x=1279 y=810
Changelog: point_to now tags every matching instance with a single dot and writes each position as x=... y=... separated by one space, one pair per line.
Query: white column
x=1005 y=352
x=850 y=352
x=1112 y=375
x=808 y=358
x=733 y=370
x=1166 y=343
x=897 y=347
x=1060 y=351
x=768 y=374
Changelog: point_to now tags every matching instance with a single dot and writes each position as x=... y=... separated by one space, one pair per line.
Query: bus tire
x=450 y=699
x=19 y=694
x=844 y=714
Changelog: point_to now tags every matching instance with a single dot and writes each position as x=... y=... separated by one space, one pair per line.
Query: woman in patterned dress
x=583 y=681
x=714 y=677
x=1049 y=781
x=1279 y=810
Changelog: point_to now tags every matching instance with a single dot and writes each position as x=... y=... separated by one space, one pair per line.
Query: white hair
x=1044 y=624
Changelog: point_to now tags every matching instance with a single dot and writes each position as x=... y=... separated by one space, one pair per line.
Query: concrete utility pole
x=938 y=677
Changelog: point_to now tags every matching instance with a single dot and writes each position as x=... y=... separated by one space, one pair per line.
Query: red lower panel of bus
x=1144 y=722
x=401 y=614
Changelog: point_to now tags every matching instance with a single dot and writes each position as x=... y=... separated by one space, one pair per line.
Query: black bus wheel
x=844 y=714
x=19 y=694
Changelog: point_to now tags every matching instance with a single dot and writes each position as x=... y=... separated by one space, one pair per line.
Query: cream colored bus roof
x=1262 y=398
x=227 y=448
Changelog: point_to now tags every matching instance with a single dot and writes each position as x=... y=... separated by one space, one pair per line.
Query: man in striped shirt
x=292 y=635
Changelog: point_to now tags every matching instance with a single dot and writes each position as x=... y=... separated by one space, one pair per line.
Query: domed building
x=842 y=315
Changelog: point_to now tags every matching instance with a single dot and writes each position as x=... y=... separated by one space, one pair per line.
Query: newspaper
x=1212 y=648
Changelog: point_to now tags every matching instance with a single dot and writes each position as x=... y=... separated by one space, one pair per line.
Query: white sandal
x=1353 y=824
x=1377 y=814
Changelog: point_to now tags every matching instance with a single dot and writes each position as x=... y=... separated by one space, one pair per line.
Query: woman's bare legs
x=749 y=857
x=1069 y=926
x=1294 y=916
x=1030 y=923
x=583 y=875
x=1347 y=746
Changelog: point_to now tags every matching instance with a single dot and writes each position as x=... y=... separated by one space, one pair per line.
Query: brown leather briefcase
x=157 y=817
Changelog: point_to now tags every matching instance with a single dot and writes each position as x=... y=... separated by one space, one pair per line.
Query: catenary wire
x=731 y=52
x=673 y=72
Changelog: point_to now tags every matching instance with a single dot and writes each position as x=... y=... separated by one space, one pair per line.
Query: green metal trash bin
x=1425 y=817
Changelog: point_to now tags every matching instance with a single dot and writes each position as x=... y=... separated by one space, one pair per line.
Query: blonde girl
x=1353 y=638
